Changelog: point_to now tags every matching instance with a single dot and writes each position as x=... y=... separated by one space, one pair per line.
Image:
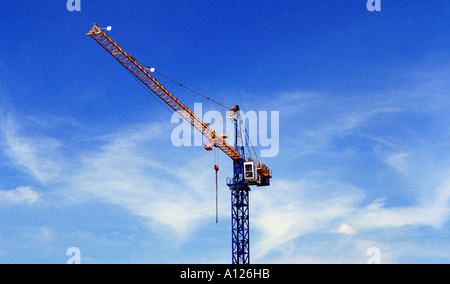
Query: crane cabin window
x=250 y=172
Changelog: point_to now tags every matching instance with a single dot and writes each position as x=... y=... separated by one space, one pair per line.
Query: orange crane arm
x=144 y=76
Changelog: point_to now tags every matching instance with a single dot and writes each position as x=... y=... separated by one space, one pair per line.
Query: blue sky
x=86 y=158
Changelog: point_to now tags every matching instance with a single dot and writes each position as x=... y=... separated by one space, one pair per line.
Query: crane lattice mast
x=246 y=172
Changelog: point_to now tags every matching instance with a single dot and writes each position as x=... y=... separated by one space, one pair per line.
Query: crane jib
x=142 y=75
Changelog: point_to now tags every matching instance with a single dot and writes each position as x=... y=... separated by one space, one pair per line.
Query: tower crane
x=247 y=171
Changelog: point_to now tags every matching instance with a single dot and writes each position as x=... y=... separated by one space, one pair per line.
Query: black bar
x=222 y=273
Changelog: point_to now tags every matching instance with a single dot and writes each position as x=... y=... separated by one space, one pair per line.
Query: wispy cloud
x=38 y=155
x=399 y=162
x=325 y=119
x=401 y=134
x=344 y=228
x=433 y=212
x=20 y=195
x=298 y=208
x=123 y=168
x=125 y=171
x=128 y=168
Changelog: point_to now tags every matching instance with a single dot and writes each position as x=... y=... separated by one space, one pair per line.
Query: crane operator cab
x=257 y=173
x=251 y=174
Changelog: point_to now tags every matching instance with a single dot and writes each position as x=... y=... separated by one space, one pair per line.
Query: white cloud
x=331 y=251
x=399 y=162
x=38 y=155
x=345 y=229
x=298 y=208
x=433 y=212
x=171 y=195
x=124 y=171
x=121 y=170
x=19 y=195
x=326 y=119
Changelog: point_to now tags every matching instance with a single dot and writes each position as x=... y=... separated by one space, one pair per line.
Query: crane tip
x=95 y=30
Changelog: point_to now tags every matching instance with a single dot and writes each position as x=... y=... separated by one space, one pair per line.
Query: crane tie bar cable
x=187 y=88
